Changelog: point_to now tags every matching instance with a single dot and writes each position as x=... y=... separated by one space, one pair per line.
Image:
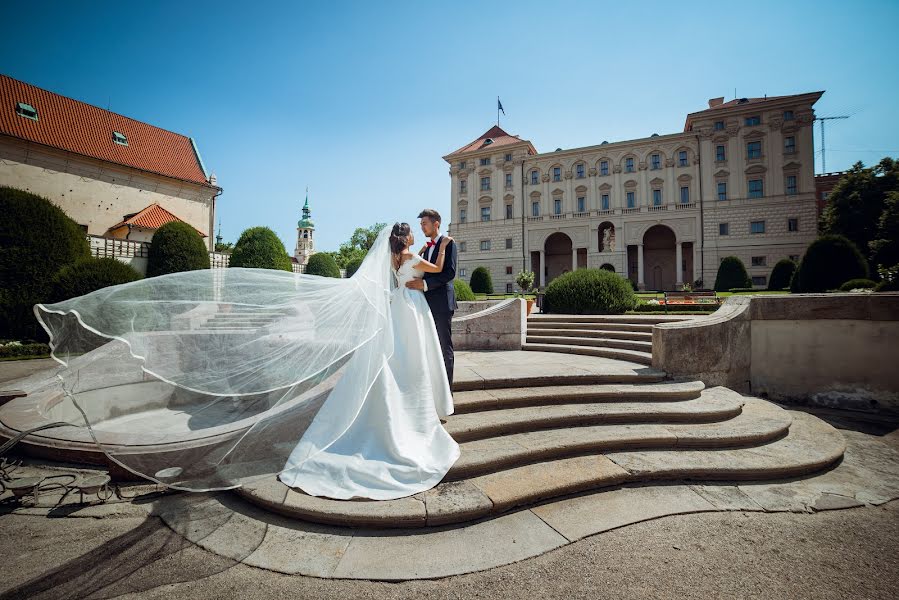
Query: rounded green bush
x=463 y=291
x=589 y=292
x=323 y=265
x=781 y=274
x=353 y=265
x=90 y=275
x=36 y=239
x=829 y=262
x=481 y=282
x=176 y=247
x=260 y=248
x=731 y=274
x=858 y=284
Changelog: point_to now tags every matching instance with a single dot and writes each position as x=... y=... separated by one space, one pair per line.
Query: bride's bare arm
x=429 y=267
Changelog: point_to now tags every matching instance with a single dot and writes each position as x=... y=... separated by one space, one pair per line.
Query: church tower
x=305 y=228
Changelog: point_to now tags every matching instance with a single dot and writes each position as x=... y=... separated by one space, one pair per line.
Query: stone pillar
x=640 y=283
x=541 y=278
x=573 y=258
x=679 y=259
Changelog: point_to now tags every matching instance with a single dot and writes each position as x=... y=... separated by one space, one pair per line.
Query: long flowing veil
x=208 y=379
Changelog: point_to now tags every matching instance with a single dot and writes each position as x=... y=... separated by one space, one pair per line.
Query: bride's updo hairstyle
x=399 y=237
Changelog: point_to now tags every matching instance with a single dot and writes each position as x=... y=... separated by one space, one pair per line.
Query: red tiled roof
x=152 y=217
x=499 y=137
x=84 y=129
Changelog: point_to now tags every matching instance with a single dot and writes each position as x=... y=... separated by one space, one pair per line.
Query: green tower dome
x=306 y=222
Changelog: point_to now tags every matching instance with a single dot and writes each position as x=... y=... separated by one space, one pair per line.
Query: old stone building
x=117 y=177
x=662 y=211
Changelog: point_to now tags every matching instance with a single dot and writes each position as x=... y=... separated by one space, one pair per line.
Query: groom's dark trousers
x=441 y=297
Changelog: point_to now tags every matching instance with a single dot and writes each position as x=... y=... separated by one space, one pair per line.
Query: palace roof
x=493 y=138
x=31 y=113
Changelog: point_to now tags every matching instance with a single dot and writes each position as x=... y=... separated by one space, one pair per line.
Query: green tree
x=260 y=248
x=322 y=264
x=353 y=266
x=176 y=247
x=481 y=282
x=855 y=205
x=731 y=274
x=36 y=239
x=358 y=245
x=885 y=246
x=224 y=246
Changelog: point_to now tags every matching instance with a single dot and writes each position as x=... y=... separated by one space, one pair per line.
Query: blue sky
x=359 y=100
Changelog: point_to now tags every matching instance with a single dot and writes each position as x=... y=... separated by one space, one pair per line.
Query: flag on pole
x=499 y=105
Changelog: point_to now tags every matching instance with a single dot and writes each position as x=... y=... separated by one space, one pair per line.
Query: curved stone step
x=616 y=353
x=645 y=336
x=642 y=346
x=511 y=451
x=480 y=400
x=631 y=372
x=715 y=404
x=809 y=445
x=643 y=319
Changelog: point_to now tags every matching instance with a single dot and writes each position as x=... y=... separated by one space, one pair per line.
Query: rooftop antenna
x=823 y=156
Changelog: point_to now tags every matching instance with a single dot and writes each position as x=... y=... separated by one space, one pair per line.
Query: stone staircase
x=627 y=337
x=240 y=319
x=546 y=428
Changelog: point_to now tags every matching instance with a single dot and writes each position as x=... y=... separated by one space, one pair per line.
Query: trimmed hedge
x=781 y=274
x=463 y=291
x=481 y=282
x=858 y=284
x=352 y=266
x=323 y=265
x=176 y=247
x=589 y=292
x=19 y=350
x=90 y=275
x=731 y=274
x=260 y=248
x=36 y=239
x=829 y=262
x=653 y=308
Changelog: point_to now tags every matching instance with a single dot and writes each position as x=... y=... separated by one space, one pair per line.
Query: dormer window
x=26 y=110
x=119 y=138
x=488 y=141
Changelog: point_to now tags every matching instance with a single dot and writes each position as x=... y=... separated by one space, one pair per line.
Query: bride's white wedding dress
x=396 y=445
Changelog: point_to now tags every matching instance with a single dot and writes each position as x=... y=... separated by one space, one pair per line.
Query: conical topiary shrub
x=260 y=248
x=481 y=282
x=323 y=265
x=176 y=247
x=36 y=239
x=463 y=291
x=829 y=262
x=781 y=275
x=732 y=274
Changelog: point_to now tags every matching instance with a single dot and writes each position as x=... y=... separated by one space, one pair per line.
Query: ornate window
x=657 y=197
x=604 y=167
x=509 y=157
x=508 y=180
x=581 y=204
x=463 y=215
x=629 y=164
x=508 y=211
x=557 y=206
x=655 y=162
x=682 y=158
x=604 y=202
x=485 y=161
x=788 y=115
x=756 y=188
x=789 y=145
x=685 y=194
x=720 y=153
x=535 y=177
x=535 y=208
x=791 y=185
x=753 y=149
x=580 y=170
x=557 y=173
x=631 y=199
x=719 y=125
x=485 y=184
x=485 y=213
x=463 y=186
x=722 y=190
x=753 y=120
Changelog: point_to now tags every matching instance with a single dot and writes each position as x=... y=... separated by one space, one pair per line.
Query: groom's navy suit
x=441 y=297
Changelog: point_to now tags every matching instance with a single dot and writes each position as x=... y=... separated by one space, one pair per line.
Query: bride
x=211 y=379
x=396 y=446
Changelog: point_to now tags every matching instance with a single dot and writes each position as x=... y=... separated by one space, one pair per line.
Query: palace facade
x=662 y=211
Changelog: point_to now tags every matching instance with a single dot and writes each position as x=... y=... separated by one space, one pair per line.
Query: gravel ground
x=835 y=554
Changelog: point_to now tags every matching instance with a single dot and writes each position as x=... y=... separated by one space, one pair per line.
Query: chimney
x=713 y=102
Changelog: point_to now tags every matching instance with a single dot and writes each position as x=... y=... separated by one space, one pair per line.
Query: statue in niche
x=607 y=238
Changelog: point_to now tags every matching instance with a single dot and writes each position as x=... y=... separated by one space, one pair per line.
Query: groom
x=438 y=287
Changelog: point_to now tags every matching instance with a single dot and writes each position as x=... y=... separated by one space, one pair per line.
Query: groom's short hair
x=431 y=214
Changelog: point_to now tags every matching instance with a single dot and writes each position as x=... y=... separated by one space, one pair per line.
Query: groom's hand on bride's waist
x=415 y=284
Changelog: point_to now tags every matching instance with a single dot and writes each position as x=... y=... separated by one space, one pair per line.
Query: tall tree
x=358 y=245
x=855 y=205
x=885 y=246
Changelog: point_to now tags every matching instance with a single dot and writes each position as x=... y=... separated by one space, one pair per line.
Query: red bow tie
x=431 y=244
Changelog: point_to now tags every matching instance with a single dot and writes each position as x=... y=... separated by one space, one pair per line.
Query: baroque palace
x=662 y=211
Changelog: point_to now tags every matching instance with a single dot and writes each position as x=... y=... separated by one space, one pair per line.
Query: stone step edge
x=470 y=385
x=624 y=327
x=591 y=333
x=641 y=345
x=460 y=501
x=620 y=353
x=712 y=406
x=473 y=401
x=641 y=319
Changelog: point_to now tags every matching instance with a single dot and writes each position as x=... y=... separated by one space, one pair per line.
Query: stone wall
x=498 y=327
x=823 y=349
